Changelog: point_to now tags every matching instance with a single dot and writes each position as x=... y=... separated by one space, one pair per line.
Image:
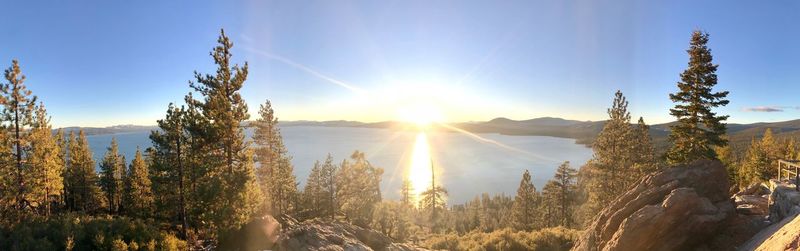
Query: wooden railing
x=789 y=169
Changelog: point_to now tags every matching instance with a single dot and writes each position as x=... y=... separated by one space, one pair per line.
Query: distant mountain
x=583 y=131
x=108 y=130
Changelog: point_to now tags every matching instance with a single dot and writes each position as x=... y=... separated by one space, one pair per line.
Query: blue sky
x=113 y=62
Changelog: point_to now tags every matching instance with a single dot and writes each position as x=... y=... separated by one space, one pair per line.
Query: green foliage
x=275 y=173
x=112 y=172
x=392 y=219
x=358 y=189
x=81 y=182
x=71 y=232
x=558 y=238
x=46 y=164
x=526 y=204
x=699 y=129
x=138 y=196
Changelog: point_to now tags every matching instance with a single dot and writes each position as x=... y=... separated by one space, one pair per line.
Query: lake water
x=465 y=165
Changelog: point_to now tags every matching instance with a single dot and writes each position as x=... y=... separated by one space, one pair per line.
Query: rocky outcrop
x=753 y=200
x=267 y=233
x=679 y=208
x=784 y=201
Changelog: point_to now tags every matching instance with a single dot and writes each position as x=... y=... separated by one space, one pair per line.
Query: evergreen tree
x=699 y=129
x=112 y=170
x=138 y=194
x=607 y=174
x=84 y=191
x=45 y=162
x=328 y=186
x=761 y=158
x=168 y=166
x=550 y=208
x=19 y=111
x=276 y=172
x=229 y=162
x=358 y=189
x=645 y=157
x=313 y=194
x=406 y=190
x=525 y=204
x=564 y=181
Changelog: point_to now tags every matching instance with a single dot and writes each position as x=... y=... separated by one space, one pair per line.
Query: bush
x=71 y=232
x=558 y=238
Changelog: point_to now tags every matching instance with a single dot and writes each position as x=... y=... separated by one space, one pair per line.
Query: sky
x=102 y=63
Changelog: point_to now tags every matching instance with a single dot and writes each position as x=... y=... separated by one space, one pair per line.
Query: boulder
x=330 y=235
x=679 y=208
x=784 y=201
x=752 y=204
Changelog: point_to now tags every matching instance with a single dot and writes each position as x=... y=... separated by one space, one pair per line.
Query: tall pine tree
x=46 y=163
x=699 y=129
x=19 y=110
x=138 y=196
x=85 y=194
x=525 y=204
x=275 y=172
x=112 y=170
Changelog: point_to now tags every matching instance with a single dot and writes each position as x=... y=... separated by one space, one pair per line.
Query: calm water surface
x=465 y=165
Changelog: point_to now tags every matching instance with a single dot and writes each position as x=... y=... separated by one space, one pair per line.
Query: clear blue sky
x=121 y=62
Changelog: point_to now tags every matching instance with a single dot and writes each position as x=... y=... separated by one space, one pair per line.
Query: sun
x=421 y=114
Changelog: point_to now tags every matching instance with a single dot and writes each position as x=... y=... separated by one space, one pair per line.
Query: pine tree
x=608 y=172
x=138 y=194
x=169 y=169
x=699 y=129
x=550 y=208
x=276 y=172
x=328 y=186
x=19 y=108
x=112 y=170
x=84 y=191
x=564 y=180
x=645 y=158
x=525 y=204
x=406 y=190
x=313 y=194
x=358 y=188
x=228 y=160
x=46 y=163
x=760 y=159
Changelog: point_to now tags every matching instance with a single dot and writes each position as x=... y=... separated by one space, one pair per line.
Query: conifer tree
x=138 y=194
x=229 y=161
x=699 y=129
x=276 y=172
x=313 y=194
x=406 y=198
x=550 y=208
x=358 y=189
x=564 y=181
x=328 y=186
x=525 y=204
x=168 y=167
x=84 y=191
x=19 y=111
x=608 y=172
x=112 y=170
x=645 y=157
x=46 y=163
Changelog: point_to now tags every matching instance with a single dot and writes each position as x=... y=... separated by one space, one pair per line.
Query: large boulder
x=784 y=201
x=678 y=208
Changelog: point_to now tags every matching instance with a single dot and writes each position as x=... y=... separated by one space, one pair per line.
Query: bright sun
x=421 y=114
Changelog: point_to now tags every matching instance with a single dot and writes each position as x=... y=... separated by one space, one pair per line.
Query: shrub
x=72 y=232
x=558 y=238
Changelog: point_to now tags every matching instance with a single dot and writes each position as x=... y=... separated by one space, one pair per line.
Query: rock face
x=753 y=200
x=679 y=208
x=322 y=235
x=267 y=233
x=784 y=201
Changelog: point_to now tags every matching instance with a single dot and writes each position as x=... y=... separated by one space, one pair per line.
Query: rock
x=326 y=235
x=755 y=189
x=783 y=202
x=752 y=204
x=258 y=234
x=679 y=208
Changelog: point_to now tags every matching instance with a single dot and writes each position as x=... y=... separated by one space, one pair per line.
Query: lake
x=465 y=165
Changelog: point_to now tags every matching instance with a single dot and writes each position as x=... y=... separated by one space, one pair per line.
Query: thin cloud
x=770 y=108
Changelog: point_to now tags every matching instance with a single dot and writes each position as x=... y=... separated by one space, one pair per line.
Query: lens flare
x=419 y=172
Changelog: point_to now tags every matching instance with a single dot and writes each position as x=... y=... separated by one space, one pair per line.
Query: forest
x=203 y=179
